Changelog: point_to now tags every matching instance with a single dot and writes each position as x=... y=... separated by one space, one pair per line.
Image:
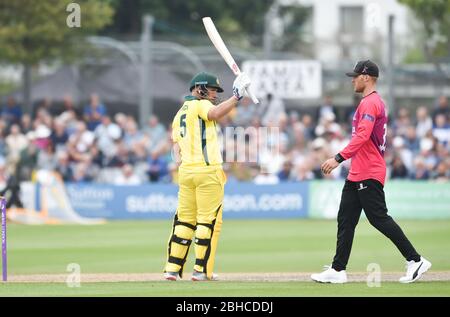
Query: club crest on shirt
x=368 y=117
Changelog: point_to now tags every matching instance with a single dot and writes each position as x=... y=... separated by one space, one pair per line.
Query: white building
x=349 y=30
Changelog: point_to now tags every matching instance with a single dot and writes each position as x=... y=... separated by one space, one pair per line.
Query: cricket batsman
x=364 y=186
x=200 y=175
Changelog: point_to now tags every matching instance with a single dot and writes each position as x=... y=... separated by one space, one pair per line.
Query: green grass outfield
x=246 y=246
x=227 y=289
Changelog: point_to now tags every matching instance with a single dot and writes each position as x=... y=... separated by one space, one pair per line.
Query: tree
x=36 y=31
x=434 y=15
x=294 y=18
x=232 y=17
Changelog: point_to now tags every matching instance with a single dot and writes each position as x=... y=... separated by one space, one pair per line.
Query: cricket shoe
x=330 y=275
x=414 y=270
x=171 y=276
x=199 y=276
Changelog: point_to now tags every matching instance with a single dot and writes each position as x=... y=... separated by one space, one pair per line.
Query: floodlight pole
x=146 y=91
x=390 y=68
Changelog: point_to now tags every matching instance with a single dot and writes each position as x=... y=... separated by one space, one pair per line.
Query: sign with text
x=159 y=201
x=404 y=199
x=285 y=79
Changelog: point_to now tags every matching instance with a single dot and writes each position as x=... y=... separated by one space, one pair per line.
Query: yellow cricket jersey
x=196 y=135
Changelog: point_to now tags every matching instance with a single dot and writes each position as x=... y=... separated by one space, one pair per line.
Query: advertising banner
x=242 y=200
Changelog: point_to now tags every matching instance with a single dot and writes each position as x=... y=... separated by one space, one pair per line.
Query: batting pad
x=206 y=239
x=179 y=244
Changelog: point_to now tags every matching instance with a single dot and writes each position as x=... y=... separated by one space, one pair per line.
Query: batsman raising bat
x=200 y=175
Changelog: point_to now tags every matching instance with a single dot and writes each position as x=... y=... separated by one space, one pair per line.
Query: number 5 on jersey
x=183 y=125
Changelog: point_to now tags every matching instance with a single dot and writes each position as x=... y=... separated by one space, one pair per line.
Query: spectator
x=427 y=152
x=265 y=177
x=155 y=129
x=80 y=143
x=42 y=108
x=327 y=124
x=274 y=109
x=242 y=172
x=3 y=146
x=283 y=134
x=154 y=133
x=411 y=141
x=271 y=157
x=121 y=120
x=402 y=122
x=80 y=174
x=69 y=119
x=286 y=172
x=400 y=149
x=46 y=158
x=132 y=135
x=303 y=172
x=63 y=166
x=69 y=106
x=96 y=157
x=308 y=127
x=121 y=155
x=441 y=129
x=93 y=112
x=127 y=176
x=442 y=108
x=299 y=142
x=420 y=148
x=319 y=152
x=3 y=174
x=106 y=134
x=157 y=167
x=399 y=169
x=59 y=135
x=26 y=123
x=442 y=172
x=9 y=187
x=42 y=135
x=245 y=113
x=28 y=159
x=421 y=172
x=12 y=113
x=424 y=122
x=293 y=124
x=326 y=109
x=15 y=142
x=442 y=152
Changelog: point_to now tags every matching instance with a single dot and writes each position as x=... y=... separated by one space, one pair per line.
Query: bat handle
x=251 y=95
x=237 y=71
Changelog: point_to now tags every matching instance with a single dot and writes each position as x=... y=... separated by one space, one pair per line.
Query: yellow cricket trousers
x=199 y=212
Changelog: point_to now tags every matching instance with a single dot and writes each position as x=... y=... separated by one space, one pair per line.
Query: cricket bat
x=215 y=38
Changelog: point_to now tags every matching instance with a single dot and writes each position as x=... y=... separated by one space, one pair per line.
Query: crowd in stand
x=86 y=144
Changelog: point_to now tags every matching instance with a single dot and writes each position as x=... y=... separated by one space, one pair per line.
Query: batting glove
x=241 y=83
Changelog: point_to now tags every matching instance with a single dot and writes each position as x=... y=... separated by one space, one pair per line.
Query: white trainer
x=330 y=275
x=199 y=276
x=414 y=270
x=171 y=276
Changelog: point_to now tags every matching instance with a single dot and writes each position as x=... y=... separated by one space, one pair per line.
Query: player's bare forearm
x=176 y=154
x=329 y=165
x=222 y=109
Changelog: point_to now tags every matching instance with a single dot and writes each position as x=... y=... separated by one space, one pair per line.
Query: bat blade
x=216 y=39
